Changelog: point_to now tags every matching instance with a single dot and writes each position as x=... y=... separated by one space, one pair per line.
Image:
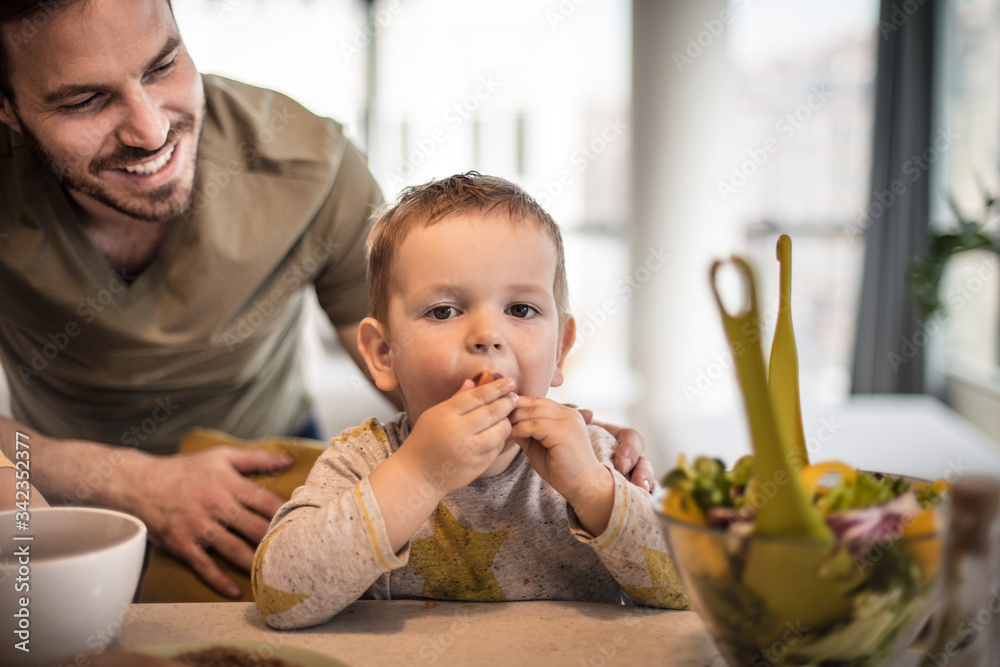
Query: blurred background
x=661 y=136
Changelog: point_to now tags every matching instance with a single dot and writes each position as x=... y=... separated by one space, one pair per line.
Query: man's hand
x=193 y=503
x=629 y=460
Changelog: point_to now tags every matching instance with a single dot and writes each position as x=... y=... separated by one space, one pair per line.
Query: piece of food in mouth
x=485 y=377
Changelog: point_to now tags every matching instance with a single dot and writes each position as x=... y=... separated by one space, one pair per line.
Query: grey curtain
x=889 y=352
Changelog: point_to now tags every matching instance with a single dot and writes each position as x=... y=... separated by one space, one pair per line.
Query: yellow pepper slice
x=811 y=475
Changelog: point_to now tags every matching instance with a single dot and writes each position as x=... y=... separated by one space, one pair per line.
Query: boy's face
x=109 y=99
x=470 y=294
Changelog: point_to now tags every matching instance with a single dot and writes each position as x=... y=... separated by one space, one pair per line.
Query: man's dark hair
x=20 y=20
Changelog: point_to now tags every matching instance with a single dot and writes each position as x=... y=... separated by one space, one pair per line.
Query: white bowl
x=66 y=590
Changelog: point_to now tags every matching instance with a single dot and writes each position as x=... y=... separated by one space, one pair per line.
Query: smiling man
x=159 y=233
x=160 y=230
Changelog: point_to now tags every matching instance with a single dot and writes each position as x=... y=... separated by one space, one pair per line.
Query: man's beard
x=158 y=205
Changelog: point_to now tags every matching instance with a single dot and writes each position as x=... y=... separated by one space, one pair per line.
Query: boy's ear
x=7 y=115
x=567 y=336
x=374 y=347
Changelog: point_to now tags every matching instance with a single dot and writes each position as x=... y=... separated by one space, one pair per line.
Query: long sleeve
x=633 y=547
x=327 y=545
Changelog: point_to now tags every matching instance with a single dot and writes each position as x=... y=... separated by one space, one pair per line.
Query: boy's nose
x=485 y=335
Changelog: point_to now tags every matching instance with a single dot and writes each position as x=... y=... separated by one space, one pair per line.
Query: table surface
x=416 y=632
x=911 y=435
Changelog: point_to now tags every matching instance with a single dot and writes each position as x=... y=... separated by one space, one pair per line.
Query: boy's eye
x=442 y=312
x=522 y=310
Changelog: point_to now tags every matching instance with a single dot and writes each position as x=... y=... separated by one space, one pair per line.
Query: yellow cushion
x=167 y=579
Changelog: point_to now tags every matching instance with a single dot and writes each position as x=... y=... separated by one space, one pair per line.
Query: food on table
x=213 y=656
x=229 y=656
x=885 y=528
x=786 y=565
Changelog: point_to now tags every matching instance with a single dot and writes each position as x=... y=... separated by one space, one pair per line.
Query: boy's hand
x=628 y=460
x=554 y=437
x=450 y=445
x=464 y=434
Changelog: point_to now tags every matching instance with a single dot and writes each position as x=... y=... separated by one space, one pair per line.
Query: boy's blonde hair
x=424 y=205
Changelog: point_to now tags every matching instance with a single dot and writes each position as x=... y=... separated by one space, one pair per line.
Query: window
x=806 y=100
x=969 y=109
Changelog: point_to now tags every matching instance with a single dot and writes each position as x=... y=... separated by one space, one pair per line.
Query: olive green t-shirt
x=209 y=334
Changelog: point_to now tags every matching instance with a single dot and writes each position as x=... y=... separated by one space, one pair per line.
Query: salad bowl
x=766 y=600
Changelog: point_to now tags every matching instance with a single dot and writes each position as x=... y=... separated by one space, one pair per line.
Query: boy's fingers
x=495 y=412
x=475 y=397
x=540 y=408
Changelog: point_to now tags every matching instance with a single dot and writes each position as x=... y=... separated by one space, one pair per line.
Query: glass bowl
x=778 y=601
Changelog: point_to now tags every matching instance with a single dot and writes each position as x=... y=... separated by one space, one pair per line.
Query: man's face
x=108 y=97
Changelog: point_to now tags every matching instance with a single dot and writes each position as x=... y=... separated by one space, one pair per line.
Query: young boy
x=489 y=492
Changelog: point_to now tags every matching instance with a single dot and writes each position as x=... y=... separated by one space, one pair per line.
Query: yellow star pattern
x=457 y=563
x=271 y=600
x=665 y=589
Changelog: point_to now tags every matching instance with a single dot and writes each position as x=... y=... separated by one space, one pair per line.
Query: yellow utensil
x=783 y=367
x=772 y=569
x=789 y=513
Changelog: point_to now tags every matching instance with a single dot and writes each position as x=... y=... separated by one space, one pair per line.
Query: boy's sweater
x=509 y=537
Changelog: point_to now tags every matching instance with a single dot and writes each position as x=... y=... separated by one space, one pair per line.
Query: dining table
x=424 y=632
x=913 y=435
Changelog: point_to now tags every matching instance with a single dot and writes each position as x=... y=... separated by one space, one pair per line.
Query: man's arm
x=190 y=503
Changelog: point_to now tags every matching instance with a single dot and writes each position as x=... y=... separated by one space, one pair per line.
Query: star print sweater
x=508 y=537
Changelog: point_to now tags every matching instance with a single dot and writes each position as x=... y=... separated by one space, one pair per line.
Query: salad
x=845 y=599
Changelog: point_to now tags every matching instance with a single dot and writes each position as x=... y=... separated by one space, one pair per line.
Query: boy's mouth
x=485 y=377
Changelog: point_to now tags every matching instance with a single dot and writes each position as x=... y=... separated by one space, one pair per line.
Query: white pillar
x=682 y=142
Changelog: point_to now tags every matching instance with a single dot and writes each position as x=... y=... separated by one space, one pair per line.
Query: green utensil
x=783 y=367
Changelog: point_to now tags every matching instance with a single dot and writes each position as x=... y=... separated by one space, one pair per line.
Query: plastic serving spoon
x=773 y=569
x=783 y=366
x=789 y=513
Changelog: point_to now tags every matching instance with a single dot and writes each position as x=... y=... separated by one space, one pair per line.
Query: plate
x=265 y=649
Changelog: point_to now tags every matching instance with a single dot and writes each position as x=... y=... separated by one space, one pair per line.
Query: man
x=158 y=232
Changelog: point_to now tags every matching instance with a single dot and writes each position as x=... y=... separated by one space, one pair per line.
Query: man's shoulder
x=264 y=128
